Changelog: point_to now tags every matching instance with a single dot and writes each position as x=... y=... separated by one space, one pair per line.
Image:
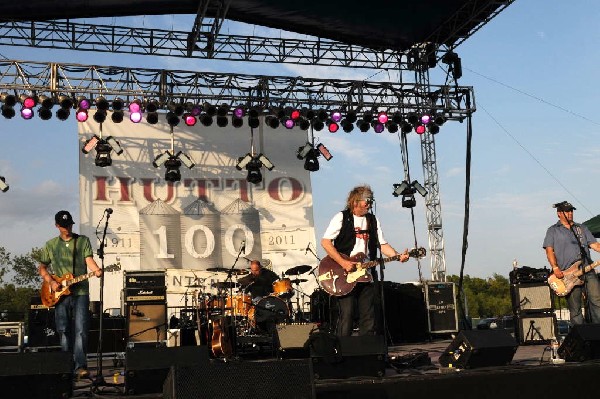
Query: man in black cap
x=70 y=253
x=567 y=242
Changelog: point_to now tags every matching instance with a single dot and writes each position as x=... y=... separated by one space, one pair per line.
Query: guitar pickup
x=326 y=276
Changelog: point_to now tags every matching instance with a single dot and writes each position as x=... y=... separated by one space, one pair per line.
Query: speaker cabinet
x=146 y=368
x=528 y=298
x=41 y=325
x=582 y=343
x=292 y=337
x=405 y=313
x=146 y=322
x=36 y=375
x=479 y=348
x=535 y=328
x=440 y=299
x=357 y=356
x=270 y=379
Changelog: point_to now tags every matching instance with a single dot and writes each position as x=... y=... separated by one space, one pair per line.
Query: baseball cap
x=63 y=219
x=564 y=206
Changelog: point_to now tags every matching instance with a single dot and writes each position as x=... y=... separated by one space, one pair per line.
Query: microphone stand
x=230 y=278
x=320 y=290
x=99 y=375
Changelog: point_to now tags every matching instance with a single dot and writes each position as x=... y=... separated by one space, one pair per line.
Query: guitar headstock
x=417 y=252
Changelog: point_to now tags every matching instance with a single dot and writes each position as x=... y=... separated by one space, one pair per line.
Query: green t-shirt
x=58 y=254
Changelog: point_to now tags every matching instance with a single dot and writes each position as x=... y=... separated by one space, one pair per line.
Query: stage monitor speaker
x=479 y=348
x=41 y=325
x=527 y=298
x=270 y=379
x=582 y=343
x=146 y=368
x=35 y=375
x=405 y=313
x=440 y=299
x=355 y=356
x=292 y=339
x=535 y=328
x=146 y=322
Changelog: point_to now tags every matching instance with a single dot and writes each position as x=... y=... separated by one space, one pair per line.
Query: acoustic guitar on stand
x=338 y=282
x=562 y=286
x=51 y=298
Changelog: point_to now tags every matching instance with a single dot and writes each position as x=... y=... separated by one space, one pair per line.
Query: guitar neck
x=79 y=278
x=587 y=268
x=373 y=263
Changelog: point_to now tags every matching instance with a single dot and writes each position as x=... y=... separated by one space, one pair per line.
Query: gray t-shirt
x=565 y=245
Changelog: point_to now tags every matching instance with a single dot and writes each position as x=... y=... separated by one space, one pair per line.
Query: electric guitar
x=562 y=286
x=338 y=282
x=51 y=298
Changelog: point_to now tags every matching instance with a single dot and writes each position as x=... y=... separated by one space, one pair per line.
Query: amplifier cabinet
x=146 y=322
x=143 y=279
x=150 y=294
x=440 y=299
x=530 y=298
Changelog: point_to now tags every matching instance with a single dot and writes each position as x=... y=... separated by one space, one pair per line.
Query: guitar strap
x=578 y=233
x=74 y=250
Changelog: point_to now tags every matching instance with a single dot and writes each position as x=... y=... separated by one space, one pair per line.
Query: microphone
x=109 y=211
x=243 y=247
x=307 y=248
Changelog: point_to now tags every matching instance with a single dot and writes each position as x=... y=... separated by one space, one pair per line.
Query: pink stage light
x=238 y=112
x=81 y=115
x=135 y=117
x=289 y=123
x=425 y=119
x=420 y=129
x=295 y=114
x=84 y=104
x=29 y=102
x=26 y=113
x=333 y=127
x=189 y=119
x=336 y=116
x=382 y=117
x=134 y=107
x=378 y=127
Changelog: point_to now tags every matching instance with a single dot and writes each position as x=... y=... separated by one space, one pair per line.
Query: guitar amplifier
x=150 y=294
x=143 y=279
x=441 y=307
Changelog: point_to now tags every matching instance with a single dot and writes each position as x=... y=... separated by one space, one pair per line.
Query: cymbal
x=226 y=270
x=225 y=284
x=298 y=280
x=297 y=270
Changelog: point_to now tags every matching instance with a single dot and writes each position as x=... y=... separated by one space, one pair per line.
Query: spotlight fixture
x=152 y=106
x=332 y=126
x=8 y=99
x=322 y=115
x=420 y=129
x=135 y=111
x=206 y=119
x=253 y=120
x=118 y=104
x=405 y=127
x=210 y=109
x=239 y=112
x=116 y=146
x=81 y=115
x=253 y=163
x=311 y=154
x=65 y=102
x=425 y=119
x=351 y=116
x=336 y=116
x=44 y=113
x=189 y=119
x=7 y=111
x=152 y=118
x=392 y=127
x=378 y=127
x=172 y=118
x=46 y=102
x=347 y=126
x=172 y=164
x=236 y=121
x=223 y=110
x=103 y=149
x=117 y=116
x=178 y=109
x=363 y=125
x=100 y=116
x=382 y=117
x=433 y=129
x=222 y=121
x=397 y=117
x=367 y=116
x=318 y=124
x=3 y=186
x=83 y=103
x=295 y=114
x=102 y=103
x=303 y=124
x=28 y=101
x=289 y=123
x=407 y=191
x=412 y=118
x=272 y=121
x=62 y=114
x=439 y=119
x=26 y=113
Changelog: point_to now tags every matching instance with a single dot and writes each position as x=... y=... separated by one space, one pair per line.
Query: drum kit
x=231 y=312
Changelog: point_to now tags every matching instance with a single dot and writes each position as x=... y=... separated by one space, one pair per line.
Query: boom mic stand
x=319 y=290
x=233 y=304
x=99 y=376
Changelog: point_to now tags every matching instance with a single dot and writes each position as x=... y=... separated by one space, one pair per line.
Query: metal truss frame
x=143 y=41
x=264 y=92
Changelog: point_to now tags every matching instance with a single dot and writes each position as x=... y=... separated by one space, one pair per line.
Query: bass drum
x=269 y=308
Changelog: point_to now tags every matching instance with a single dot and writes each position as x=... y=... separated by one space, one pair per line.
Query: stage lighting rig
x=310 y=154
x=407 y=191
x=172 y=164
x=253 y=163
x=103 y=148
x=3 y=185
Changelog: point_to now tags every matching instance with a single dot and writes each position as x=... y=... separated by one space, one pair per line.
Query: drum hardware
x=226 y=270
x=269 y=308
x=225 y=284
x=283 y=288
x=299 y=280
x=298 y=270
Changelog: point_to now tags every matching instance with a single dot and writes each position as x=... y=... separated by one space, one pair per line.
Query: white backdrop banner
x=201 y=221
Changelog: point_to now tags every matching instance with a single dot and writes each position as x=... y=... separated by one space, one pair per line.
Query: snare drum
x=270 y=308
x=238 y=305
x=283 y=288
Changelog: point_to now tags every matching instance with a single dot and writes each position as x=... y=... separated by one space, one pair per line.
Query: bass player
x=70 y=253
x=567 y=242
x=351 y=231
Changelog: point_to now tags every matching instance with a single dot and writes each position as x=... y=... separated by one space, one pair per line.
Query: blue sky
x=535 y=77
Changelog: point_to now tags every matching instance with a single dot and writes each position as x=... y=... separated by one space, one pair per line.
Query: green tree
x=25 y=268
x=4 y=263
x=486 y=297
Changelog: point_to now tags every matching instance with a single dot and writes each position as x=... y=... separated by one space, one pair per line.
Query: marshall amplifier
x=144 y=279
x=150 y=294
x=526 y=274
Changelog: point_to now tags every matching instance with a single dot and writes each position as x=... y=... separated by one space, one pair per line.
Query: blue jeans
x=72 y=316
x=592 y=293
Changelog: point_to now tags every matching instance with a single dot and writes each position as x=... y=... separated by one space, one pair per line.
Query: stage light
x=272 y=121
x=28 y=101
x=8 y=99
x=189 y=119
x=81 y=115
x=303 y=124
x=397 y=117
x=412 y=118
x=407 y=191
x=425 y=119
x=118 y=104
x=3 y=186
x=172 y=164
x=7 y=112
x=420 y=189
x=90 y=144
x=363 y=125
x=210 y=109
x=63 y=114
x=265 y=161
x=44 y=113
x=367 y=116
x=46 y=102
x=239 y=112
x=304 y=150
x=336 y=116
x=100 y=116
x=135 y=117
x=135 y=106
x=172 y=172
x=322 y=115
x=254 y=175
x=206 y=119
x=400 y=189
x=83 y=103
x=392 y=127
x=433 y=129
x=332 y=126
x=236 y=122
x=324 y=151
x=222 y=121
x=378 y=127
x=439 y=119
x=318 y=125
x=117 y=116
x=187 y=161
x=295 y=114
x=103 y=150
x=196 y=110
x=65 y=102
x=223 y=110
x=102 y=103
x=311 y=163
x=26 y=113
x=405 y=127
x=311 y=114
x=152 y=106
x=289 y=123
x=253 y=120
x=172 y=118
x=116 y=146
x=243 y=161
x=347 y=126
x=161 y=159
x=382 y=117
x=420 y=129
x=351 y=116
x=177 y=109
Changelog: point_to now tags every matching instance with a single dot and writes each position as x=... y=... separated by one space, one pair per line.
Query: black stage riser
x=538 y=382
x=146 y=368
x=485 y=348
x=272 y=379
x=582 y=343
x=36 y=375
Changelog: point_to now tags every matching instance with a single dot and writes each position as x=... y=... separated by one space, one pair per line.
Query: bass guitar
x=51 y=298
x=338 y=282
x=562 y=286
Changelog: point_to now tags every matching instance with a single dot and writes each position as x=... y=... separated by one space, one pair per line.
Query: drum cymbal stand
x=299 y=313
x=229 y=279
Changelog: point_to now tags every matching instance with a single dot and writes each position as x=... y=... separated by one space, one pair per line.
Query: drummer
x=259 y=283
